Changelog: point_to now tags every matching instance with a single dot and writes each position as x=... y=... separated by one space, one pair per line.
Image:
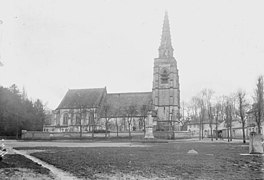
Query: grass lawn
x=165 y=160
x=15 y=166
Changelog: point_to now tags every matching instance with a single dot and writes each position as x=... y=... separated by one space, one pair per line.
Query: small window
x=164 y=76
x=65 y=119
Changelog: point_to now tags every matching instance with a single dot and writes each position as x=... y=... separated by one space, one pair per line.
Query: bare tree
x=259 y=103
x=93 y=119
x=206 y=98
x=186 y=115
x=184 y=118
x=81 y=112
x=117 y=126
x=116 y=114
x=144 y=112
x=198 y=106
x=131 y=112
x=210 y=116
x=106 y=112
x=217 y=111
x=229 y=112
x=242 y=108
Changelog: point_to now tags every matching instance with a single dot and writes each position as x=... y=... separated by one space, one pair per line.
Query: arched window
x=164 y=77
x=65 y=119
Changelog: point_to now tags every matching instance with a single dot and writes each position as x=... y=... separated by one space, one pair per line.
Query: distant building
x=194 y=127
x=82 y=108
x=236 y=128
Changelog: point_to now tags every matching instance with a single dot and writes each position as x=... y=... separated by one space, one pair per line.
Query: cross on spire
x=165 y=49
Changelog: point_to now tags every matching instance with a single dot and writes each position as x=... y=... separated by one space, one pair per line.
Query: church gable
x=89 y=98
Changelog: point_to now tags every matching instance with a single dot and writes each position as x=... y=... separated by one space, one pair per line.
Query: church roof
x=120 y=101
x=89 y=98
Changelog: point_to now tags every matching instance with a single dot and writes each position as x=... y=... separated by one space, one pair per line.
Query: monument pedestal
x=149 y=133
x=149 y=126
x=255 y=143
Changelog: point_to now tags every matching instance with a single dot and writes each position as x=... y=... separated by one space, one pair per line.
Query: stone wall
x=169 y=135
x=39 y=135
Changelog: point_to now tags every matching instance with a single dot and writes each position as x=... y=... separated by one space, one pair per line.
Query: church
x=87 y=110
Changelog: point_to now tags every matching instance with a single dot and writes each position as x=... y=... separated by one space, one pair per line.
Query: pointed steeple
x=165 y=49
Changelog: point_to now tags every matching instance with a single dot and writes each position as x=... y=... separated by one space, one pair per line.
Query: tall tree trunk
x=129 y=123
x=216 y=128
x=228 y=134
x=173 y=129
x=243 y=131
x=80 y=130
x=144 y=123
x=106 y=127
x=116 y=128
x=92 y=131
x=211 y=133
x=200 y=130
x=259 y=124
x=16 y=127
x=93 y=127
x=231 y=134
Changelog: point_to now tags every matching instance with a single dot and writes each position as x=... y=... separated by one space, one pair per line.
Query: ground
x=15 y=166
x=153 y=161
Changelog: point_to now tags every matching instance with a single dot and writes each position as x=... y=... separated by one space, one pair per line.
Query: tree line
x=205 y=106
x=18 y=112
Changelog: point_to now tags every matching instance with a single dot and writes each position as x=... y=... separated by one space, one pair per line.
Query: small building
x=236 y=129
x=195 y=125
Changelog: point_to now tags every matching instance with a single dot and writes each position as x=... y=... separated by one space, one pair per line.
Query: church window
x=65 y=119
x=164 y=76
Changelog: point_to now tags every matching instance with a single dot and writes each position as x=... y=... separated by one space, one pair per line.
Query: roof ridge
x=86 y=89
x=130 y=93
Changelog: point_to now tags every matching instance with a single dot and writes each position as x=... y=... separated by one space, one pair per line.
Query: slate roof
x=89 y=98
x=120 y=101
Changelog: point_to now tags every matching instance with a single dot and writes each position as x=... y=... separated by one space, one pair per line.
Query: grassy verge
x=214 y=161
x=12 y=164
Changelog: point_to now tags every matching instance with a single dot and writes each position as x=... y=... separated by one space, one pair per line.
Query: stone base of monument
x=149 y=133
x=255 y=143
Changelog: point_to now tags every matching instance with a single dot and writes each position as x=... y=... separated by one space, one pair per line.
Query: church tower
x=166 y=87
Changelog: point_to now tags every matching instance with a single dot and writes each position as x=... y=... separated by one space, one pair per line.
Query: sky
x=50 y=46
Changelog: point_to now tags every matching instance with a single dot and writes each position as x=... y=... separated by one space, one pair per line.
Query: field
x=156 y=161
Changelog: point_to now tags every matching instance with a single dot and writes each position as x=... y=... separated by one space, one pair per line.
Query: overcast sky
x=51 y=46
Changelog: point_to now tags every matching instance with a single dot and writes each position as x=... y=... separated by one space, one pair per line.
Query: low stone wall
x=39 y=135
x=169 y=134
x=35 y=135
x=182 y=134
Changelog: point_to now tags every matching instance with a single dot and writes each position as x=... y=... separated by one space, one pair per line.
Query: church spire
x=165 y=49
